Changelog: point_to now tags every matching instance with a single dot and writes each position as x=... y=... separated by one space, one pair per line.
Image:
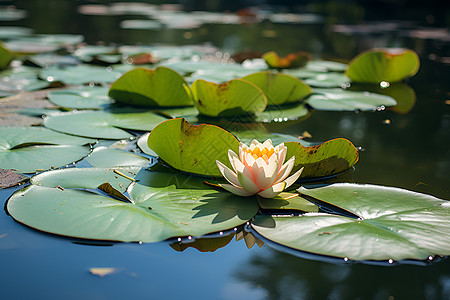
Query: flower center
x=264 y=153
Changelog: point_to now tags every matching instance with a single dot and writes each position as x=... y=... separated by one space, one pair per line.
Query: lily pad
x=329 y=158
x=235 y=97
x=101 y=124
x=84 y=98
x=287 y=202
x=279 y=88
x=192 y=148
x=344 y=100
x=292 y=60
x=328 y=80
x=160 y=87
x=105 y=157
x=378 y=65
x=80 y=74
x=30 y=149
x=163 y=206
x=282 y=113
x=392 y=224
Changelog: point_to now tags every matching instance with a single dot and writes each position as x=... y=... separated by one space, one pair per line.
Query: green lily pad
x=282 y=113
x=30 y=149
x=235 y=97
x=392 y=224
x=328 y=80
x=292 y=60
x=160 y=87
x=101 y=124
x=20 y=79
x=325 y=66
x=162 y=206
x=192 y=148
x=12 y=32
x=378 y=65
x=84 y=98
x=5 y=57
x=80 y=74
x=105 y=157
x=287 y=202
x=279 y=88
x=329 y=158
x=344 y=100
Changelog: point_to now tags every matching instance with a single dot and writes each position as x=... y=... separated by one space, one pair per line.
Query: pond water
x=408 y=149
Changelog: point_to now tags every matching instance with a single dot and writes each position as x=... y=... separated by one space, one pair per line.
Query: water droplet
x=91 y=84
x=189 y=237
x=387 y=122
x=140 y=242
x=345 y=258
x=221 y=233
x=50 y=78
x=430 y=257
x=108 y=69
x=235 y=229
x=384 y=84
x=179 y=239
x=390 y=261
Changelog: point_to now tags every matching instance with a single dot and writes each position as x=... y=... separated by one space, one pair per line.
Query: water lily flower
x=258 y=169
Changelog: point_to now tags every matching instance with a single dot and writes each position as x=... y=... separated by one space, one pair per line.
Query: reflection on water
x=285 y=278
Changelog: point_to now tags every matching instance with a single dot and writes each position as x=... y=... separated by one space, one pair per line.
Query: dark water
x=409 y=150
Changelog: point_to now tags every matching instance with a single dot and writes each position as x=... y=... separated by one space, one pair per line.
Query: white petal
x=249 y=160
x=235 y=190
x=229 y=175
x=248 y=184
x=242 y=148
x=237 y=165
x=291 y=179
x=273 y=191
x=285 y=169
x=267 y=177
x=268 y=144
x=281 y=156
x=254 y=142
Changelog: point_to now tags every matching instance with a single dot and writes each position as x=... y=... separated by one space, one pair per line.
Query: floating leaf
x=328 y=80
x=392 y=224
x=326 y=66
x=292 y=60
x=28 y=149
x=329 y=158
x=235 y=97
x=9 y=179
x=378 y=65
x=287 y=201
x=165 y=206
x=192 y=148
x=279 y=88
x=80 y=74
x=105 y=157
x=344 y=100
x=105 y=125
x=160 y=87
x=84 y=98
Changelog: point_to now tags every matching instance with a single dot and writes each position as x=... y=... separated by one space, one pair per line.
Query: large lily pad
x=279 y=88
x=30 y=149
x=392 y=224
x=84 y=98
x=105 y=125
x=329 y=158
x=344 y=100
x=161 y=206
x=106 y=157
x=235 y=97
x=160 y=87
x=192 y=148
x=378 y=65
